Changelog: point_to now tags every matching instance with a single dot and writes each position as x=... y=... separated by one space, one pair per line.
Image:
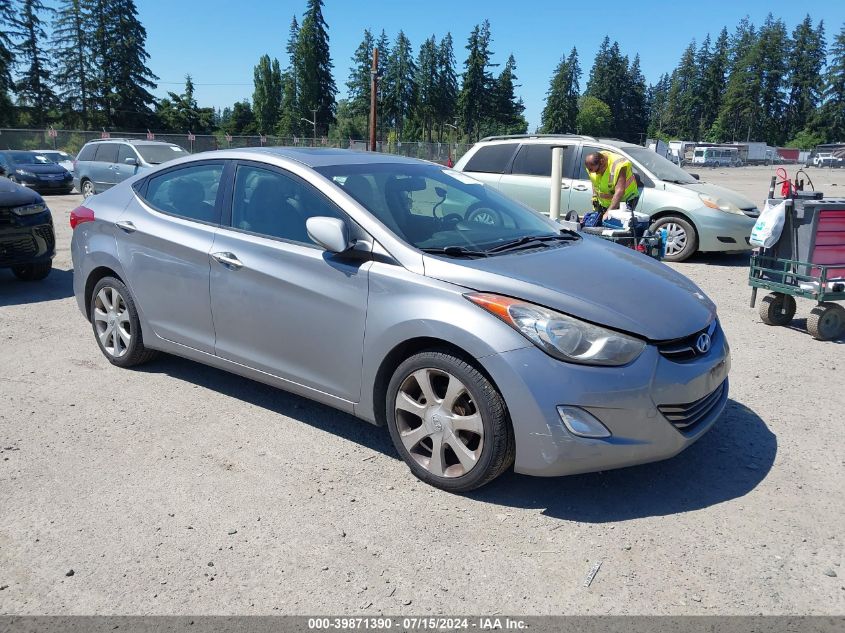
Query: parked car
x=102 y=164
x=367 y=282
x=60 y=158
x=27 y=240
x=716 y=157
x=35 y=171
x=698 y=216
x=827 y=159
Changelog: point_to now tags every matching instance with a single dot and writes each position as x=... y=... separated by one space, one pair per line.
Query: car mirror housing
x=130 y=161
x=330 y=233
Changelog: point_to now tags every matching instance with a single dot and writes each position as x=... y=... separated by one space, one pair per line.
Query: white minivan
x=697 y=216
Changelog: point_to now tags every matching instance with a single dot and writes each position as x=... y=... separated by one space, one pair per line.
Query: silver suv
x=104 y=163
x=697 y=216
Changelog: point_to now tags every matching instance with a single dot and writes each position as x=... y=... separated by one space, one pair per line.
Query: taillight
x=80 y=215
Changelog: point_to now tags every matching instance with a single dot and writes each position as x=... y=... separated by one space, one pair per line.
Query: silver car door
x=529 y=180
x=164 y=238
x=281 y=304
x=102 y=167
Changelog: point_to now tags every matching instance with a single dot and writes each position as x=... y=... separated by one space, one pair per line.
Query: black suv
x=27 y=240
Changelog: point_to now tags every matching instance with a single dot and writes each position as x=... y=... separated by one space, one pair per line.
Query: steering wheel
x=482 y=214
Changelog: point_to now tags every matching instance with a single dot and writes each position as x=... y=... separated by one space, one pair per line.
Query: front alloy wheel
x=681 y=239
x=87 y=188
x=448 y=422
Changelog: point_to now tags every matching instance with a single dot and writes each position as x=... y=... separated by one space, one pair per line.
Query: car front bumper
x=632 y=402
x=43 y=185
x=26 y=240
x=721 y=231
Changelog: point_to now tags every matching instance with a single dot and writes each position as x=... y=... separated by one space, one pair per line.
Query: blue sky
x=219 y=41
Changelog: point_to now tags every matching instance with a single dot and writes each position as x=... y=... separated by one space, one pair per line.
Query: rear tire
x=777 y=309
x=117 y=329
x=87 y=188
x=448 y=422
x=682 y=240
x=826 y=321
x=32 y=272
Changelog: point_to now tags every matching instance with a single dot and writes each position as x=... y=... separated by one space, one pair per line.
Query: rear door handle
x=580 y=188
x=126 y=225
x=229 y=260
x=564 y=186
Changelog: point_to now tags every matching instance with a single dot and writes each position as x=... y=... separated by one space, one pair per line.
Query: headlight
x=561 y=335
x=24 y=172
x=30 y=209
x=719 y=204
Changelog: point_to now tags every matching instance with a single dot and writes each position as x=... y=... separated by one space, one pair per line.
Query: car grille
x=46 y=233
x=5 y=217
x=684 y=349
x=685 y=416
x=14 y=250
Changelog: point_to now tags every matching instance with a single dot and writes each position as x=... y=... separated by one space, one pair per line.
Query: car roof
x=318 y=157
x=550 y=139
x=132 y=141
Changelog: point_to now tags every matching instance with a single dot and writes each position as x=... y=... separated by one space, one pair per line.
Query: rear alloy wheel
x=777 y=309
x=32 y=272
x=114 y=318
x=87 y=188
x=448 y=422
x=681 y=239
x=826 y=321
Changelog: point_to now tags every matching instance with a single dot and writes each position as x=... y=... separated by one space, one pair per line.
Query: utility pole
x=313 y=122
x=373 y=99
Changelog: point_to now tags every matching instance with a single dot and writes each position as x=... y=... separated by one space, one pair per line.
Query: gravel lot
x=180 y=489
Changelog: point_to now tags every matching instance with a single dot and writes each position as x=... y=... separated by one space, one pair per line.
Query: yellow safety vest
x=604 y=185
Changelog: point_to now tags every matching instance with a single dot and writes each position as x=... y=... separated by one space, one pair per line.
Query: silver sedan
x=367 y=282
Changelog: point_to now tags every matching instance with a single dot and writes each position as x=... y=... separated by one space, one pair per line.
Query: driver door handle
x=126 y=225
x=580 y=188
x=230 y=260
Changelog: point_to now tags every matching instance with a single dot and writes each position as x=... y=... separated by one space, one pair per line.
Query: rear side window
x=189 y=192
x=106 y=153
x=536 y=160
x=492 y=159
x=87 y=152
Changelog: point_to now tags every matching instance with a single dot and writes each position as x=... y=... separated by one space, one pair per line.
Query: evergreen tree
x=71 y=52
x=805 y=83
x=447 y=87
x=289 y=119
x=713 y=70
x=426 y=80
x=829 y=122
x=359 y=84
x=657 y=100
x=594 y=117
x=267 y=96
x=608 y=81
x=561 y=111
x=398 y=84
x=315 y=84
x=383 y=46
x=739 y=110
x=473 y=100
x=241 y=120
x=506 y=115
x=684 y=99
x=180 y=112
x=634 y=105
x=33 y=87
x=772 y=53
x=7 y=62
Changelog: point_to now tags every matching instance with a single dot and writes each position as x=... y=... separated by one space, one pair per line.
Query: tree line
x=757 y=83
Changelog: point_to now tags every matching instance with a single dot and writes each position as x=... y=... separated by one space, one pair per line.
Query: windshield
x=56 y=156
x=29 y=158
x=157 y=154
x=661 y=168
x=436 y=209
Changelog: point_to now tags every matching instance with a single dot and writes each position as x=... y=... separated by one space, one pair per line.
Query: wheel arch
x=665 y=213
x=94 y=277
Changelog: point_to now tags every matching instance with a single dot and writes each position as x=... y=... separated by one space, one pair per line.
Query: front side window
x=189 y=192
x=437 y=209
x=124 y=153
x=157 y=154
x=106 y=153
x=277 y=205
x=536 y=160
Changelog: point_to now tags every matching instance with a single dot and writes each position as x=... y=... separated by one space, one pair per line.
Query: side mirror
x=330 y=233
x=130 y=161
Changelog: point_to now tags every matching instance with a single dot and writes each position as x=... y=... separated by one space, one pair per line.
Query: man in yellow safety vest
x=613 y=181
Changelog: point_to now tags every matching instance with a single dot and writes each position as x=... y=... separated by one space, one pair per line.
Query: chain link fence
x=71 y=141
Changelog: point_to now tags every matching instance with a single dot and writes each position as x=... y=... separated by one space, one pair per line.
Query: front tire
x=117 y=329
x=87 y=188
x=681 y=238
x=32 y=272
x=448 y=422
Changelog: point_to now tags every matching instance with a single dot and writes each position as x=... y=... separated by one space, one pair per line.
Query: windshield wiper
x=454 y=251
x=531 y=240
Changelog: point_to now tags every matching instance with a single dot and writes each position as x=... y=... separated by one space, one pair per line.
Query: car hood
x=13 y=195
x=591 y=279
x=721 y=192
x=52 y=168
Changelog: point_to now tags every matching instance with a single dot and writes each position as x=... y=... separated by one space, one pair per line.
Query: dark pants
x=632 y=205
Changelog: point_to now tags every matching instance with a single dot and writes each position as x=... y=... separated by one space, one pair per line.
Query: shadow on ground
x=57 y=285
x=728 y=462
x=734 y=260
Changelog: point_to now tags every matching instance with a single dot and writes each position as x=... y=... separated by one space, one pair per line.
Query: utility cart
x=807 y=261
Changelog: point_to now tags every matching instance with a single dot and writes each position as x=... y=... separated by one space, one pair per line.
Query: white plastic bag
x=767 y=230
